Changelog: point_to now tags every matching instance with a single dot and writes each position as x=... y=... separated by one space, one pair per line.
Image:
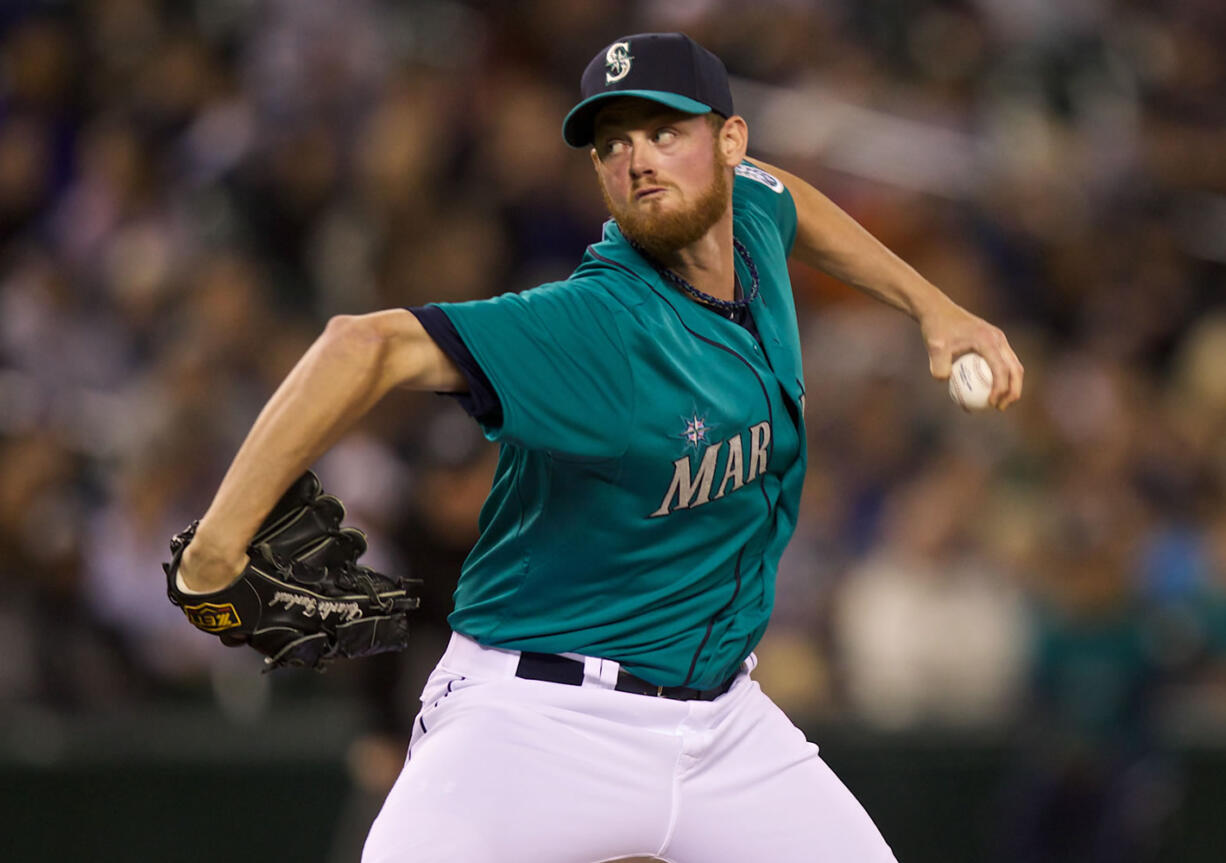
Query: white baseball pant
x=507 y=770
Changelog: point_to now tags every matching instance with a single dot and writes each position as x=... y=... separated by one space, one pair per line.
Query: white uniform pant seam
x=674 y=809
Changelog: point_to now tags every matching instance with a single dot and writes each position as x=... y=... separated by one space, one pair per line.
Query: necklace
x=728 y=306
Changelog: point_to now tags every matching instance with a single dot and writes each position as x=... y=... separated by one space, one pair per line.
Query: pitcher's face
x=659 y=173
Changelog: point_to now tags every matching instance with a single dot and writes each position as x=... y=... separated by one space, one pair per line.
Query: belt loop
x=600 y=672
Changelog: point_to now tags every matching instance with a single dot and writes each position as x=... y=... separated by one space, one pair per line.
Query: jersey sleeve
x=768 y=197
x=556 y=358
x=480 y=400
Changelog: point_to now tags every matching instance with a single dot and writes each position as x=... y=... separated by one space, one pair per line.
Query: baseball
x=970 y=382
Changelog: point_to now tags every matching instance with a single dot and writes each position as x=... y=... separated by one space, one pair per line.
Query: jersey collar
x=614 y=250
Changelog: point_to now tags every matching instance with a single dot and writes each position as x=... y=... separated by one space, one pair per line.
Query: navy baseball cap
x=669 y=68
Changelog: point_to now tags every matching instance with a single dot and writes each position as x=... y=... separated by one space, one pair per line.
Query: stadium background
x=1007 y=633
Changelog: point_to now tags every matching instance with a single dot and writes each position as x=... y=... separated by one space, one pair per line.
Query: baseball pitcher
x=597 y=699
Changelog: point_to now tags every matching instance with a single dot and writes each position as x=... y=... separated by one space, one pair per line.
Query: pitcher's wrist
x=206 y=567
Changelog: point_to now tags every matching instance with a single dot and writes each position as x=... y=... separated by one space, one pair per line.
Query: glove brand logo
x=212 y=617
x=617 y=60
x=311 y=607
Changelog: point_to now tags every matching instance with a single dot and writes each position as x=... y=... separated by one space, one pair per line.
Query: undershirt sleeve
x=481 y=401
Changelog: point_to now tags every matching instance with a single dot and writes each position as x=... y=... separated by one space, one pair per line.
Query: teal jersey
x=652 y=458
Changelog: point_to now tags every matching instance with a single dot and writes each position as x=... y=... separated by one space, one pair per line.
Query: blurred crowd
x=188 y=190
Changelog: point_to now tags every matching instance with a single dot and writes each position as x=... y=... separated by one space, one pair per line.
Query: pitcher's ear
x=734 y=140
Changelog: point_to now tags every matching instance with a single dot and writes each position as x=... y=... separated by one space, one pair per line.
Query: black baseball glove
x=302 y=600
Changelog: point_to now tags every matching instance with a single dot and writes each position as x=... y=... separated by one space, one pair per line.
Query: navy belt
x=562 y=669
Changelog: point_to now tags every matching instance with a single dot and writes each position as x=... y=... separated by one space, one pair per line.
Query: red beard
x=662 y=233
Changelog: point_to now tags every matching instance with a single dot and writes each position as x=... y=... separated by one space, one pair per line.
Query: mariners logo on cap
x=617 y=60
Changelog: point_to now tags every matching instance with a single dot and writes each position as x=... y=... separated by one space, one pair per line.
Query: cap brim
x=577 y=127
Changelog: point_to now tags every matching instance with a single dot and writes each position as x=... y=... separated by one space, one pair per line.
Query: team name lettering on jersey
x=741 y=465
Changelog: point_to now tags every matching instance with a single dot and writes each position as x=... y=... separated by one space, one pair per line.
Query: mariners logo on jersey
x=696 y=430
x=617 y=62
x=737 y=461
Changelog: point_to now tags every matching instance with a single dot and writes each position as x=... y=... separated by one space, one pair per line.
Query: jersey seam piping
x=621 y=338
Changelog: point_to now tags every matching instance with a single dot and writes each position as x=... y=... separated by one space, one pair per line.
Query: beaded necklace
x=727 y=306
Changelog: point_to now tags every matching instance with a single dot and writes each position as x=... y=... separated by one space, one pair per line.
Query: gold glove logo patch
x=212 y=617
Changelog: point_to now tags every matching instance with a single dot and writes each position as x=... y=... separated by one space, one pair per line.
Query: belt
x=562 y=669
